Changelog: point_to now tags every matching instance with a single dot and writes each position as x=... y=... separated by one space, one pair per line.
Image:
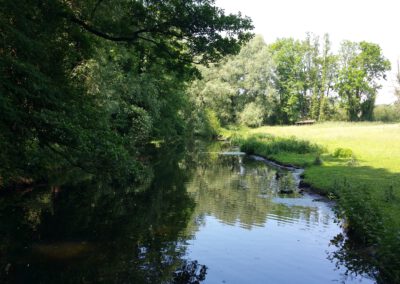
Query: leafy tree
x=312 y=87
x=289 y=80
x=252 y=115
x=305 y=77
x=229 y=86
x=362 y=66
x=322 y=107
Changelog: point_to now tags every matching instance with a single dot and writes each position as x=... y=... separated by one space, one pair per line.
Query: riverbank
x=356 y=163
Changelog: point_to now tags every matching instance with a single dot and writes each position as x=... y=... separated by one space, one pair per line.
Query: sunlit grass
x=375 y=165
x=374 y=144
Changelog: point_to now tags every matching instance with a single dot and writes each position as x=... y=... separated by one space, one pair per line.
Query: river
x=205 y=217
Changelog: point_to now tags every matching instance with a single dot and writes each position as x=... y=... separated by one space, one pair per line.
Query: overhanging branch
x=133 y=37
x=84 y=25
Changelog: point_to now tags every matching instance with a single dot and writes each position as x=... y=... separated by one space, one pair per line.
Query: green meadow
x=371 y=158
x=374 y=152
x=373 y=161
x=374 y=144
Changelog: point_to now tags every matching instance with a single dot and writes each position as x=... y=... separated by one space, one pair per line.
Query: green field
x=375 y=163
x=374 y=144
x=375 y=148
x=366 y=180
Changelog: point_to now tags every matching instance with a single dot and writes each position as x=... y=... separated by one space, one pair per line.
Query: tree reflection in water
x=91 y=233
x=354 y=258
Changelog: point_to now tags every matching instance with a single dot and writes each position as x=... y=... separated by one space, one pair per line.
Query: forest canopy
x=86 y=84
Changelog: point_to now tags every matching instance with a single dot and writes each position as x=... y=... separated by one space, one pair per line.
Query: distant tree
x=304 y=76
x=294 y=79
x=362 y=65
x=328 y=69
x=312 y=86
x=289 y=80
x=228 y=87
x=397 y=88
x=387 y=113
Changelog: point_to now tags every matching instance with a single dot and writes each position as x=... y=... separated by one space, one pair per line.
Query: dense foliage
x=86 y=84
x=387 y=113
x=291 y=80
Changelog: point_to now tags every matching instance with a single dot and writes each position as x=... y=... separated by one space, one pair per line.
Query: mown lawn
x=367 y=181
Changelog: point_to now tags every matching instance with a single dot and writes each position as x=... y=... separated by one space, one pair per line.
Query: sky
x=376 y=21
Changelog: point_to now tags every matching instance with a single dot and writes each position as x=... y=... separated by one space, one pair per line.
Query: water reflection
x=250 y=230
x=204 y=217
x=247 y=193
x=91 y=233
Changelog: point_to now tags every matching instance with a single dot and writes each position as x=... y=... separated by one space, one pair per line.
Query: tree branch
x=104 y=35
x=134 y=37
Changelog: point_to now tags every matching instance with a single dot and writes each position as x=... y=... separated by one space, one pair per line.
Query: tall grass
x=267 y=145
x=367 y=225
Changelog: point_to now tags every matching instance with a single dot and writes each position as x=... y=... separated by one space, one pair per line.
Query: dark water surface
x=204 y=218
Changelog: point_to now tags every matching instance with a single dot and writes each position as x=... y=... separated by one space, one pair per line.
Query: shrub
x=213 y=122
x=252 y=115
x=318 y=161
x=274 y=145
x=343 y=153
x=205 y=123
x=387 y=113
x=367 y=224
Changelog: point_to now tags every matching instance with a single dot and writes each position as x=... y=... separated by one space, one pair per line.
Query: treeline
x=88 y=84
x=290 y=80
x=391 y=112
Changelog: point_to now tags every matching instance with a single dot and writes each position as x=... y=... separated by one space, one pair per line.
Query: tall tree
x=289 y=79
x=362 y=66
x=328 y=75
x=312 y=87
x=228 y=87
x=321 y=82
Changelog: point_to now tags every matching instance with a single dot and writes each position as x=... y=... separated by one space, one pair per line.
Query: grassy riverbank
x=359 y=163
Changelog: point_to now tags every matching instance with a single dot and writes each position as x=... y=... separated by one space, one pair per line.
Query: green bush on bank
x=367 y=225
x=267 y=145
x=252 y=115
x=343 y=153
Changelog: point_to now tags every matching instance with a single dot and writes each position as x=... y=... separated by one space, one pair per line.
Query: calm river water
x=204 y=218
